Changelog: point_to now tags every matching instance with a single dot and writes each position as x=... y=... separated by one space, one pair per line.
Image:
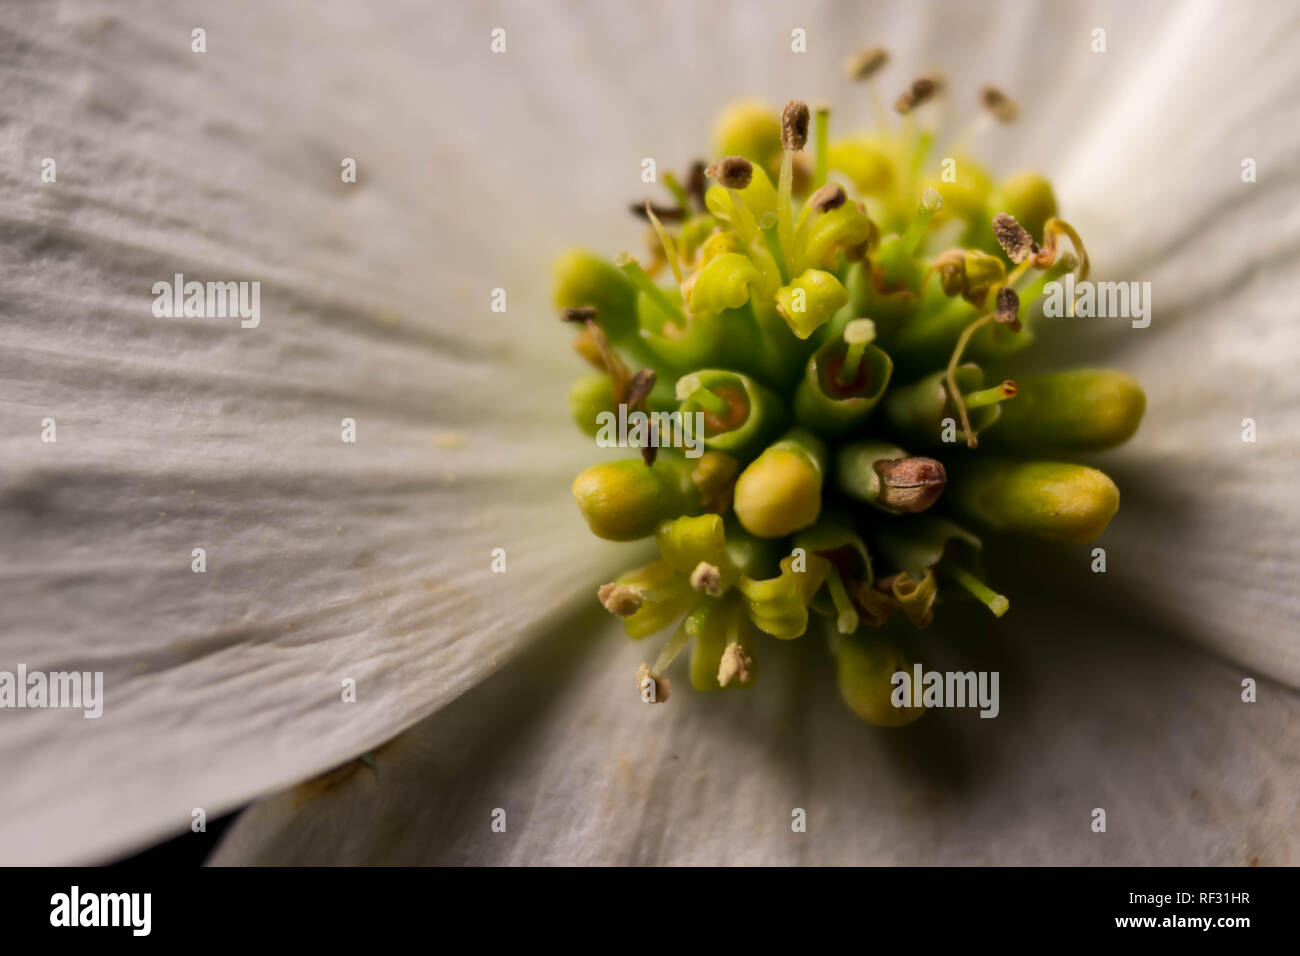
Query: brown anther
x=1003 y=107
x=1007 y=310
x=910 y=485
x=653 y=688
x=831 y=196
x=922 y=90
x=696 y=183
x=866 y=63
x=735 y=663
x=794 y=126
x=734 y=172
x=951 y=267
x=639 y=386
x=619 y=374
x=665 y=213
x=620 y=599
x=952 y=278
x=707 y=578
x=1014 y=238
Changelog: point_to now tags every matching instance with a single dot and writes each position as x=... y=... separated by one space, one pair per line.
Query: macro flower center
x=843 y=316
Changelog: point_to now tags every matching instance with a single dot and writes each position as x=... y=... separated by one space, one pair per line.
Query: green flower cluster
x=832 y=330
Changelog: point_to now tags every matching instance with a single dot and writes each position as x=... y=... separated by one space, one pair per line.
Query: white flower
x=372 y=560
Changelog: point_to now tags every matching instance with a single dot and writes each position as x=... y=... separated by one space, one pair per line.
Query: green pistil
x=690 y=389
x=846 y=621
x=774 y=246
x=931 y=202
x=858 y=334
x=784 y=220
x=821 y=135
x=681 y=637
x=991 y=599
x=990 y=396
x=632 y=269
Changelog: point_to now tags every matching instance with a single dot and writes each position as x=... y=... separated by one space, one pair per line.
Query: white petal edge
x=325 y=561
x=1096 y=713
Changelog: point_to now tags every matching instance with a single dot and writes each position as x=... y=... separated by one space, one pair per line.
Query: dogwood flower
x=331 y=560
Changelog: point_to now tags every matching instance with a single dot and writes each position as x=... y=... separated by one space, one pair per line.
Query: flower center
x=833 y=329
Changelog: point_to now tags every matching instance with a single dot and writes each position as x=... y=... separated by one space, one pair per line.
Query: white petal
x=1102 y=715
x=1205 y=539
x=325 y=560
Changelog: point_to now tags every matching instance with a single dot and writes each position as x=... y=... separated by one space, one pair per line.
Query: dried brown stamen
x=640 y=385
x=1014 y=238
x=794 y=125
x=831 y=196
x=735 y=664
x=707 y=578
x=696 y=183
x=1003 y=107
x=1007 y=310
x=620 y=376
x=922 y=90
x=665 y=213
x=866 y=63
x=620 y=599
x=734 y=172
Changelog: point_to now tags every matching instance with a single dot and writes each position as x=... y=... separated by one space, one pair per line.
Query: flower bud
x=685 y=542
x=625 y=500
x=781 y=490
x=749 y=129
x=584 y=279
x=865 y=665
x=887 y=477
x=965 y=196
x=1082 y=410
x=1045 y=499
x=588 y=397
x=868 y=164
